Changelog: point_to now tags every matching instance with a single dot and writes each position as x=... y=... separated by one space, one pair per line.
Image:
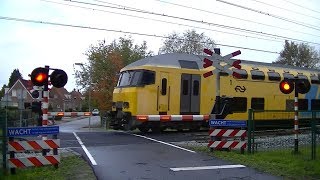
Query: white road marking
x=172 y=145
x=85 y=149
x=207 y=167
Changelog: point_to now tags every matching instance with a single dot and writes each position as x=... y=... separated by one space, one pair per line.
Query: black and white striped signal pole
x=296 y=119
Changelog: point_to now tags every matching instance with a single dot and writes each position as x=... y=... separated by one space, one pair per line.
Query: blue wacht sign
x=32 y=131
x=227 y=123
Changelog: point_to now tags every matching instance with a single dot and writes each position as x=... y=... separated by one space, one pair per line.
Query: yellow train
x=169 y=91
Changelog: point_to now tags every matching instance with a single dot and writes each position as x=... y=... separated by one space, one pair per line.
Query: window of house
x=14 y=93
x=257 y=103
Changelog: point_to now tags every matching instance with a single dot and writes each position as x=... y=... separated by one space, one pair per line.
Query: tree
x=189 y=42
x=2 y=91
x=301 y=55
x=15 y=75
x=104 y=63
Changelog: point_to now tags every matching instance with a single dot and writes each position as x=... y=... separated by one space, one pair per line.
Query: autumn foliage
x=104 y=63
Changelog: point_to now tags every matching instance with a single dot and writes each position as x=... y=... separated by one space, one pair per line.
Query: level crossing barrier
x=69 y=114
x=44 y=146
x=226 y=134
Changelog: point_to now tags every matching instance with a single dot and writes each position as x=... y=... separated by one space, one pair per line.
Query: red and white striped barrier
x=34 y=161
x=69 y=114
x=227 y=144
x=217 y=142
x=18 y=146
x=227 y=132
x=166 y=118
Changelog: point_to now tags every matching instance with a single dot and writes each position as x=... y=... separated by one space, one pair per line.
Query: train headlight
x=126 y=105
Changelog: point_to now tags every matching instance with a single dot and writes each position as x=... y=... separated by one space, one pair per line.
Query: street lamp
x=90 y=79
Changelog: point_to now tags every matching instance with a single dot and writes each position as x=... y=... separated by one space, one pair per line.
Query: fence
x=264 y=133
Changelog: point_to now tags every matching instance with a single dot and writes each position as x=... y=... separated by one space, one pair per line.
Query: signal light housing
x=286 y=86
x=58 y=78
x=36 y=107
x=39 y=76
x=303 y=86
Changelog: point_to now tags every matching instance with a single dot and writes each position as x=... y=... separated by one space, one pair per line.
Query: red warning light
x=286 y=86
x=39 y=76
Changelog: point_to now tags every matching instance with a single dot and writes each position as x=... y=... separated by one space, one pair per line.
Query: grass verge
x=71 y=167
x=277 y=162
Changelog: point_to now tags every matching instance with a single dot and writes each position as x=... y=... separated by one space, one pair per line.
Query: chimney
x=6 y=90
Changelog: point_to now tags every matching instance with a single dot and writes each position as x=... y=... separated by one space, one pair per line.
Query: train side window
x=315 y=104
x=242 y=72
x=185 y=87
x=314 y=79
x=118 y=84
x=136 y=78
x=257 y=75
x=302 y=104
x=257 y=103
x=288 y=76
x=148 y=77
x=289 y=105
x=300 y=76
x=239 y=104
x=274 y=76
x=196 y=88
x=164 y=86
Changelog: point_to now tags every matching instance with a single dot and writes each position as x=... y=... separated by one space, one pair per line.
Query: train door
x=190 y=94
x=163 y=93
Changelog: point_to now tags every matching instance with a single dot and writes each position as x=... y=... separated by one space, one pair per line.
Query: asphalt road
x=119 y=155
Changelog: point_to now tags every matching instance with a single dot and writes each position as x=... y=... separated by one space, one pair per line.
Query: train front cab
x=131 y=86
x=157 y=91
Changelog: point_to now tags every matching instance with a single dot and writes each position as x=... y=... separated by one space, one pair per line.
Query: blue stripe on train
x=312 y=94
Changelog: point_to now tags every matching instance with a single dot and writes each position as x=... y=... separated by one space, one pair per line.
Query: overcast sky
x=25 y=45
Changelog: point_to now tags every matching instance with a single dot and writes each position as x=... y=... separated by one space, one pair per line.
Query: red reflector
x=60 y=114
x=87 y=114
x=142 y=118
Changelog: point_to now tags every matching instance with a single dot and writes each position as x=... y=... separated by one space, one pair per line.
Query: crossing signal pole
x=40 y=78
x=301 y=86
x=215 y=62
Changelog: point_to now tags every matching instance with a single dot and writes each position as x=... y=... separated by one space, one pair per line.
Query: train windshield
x=136 y=78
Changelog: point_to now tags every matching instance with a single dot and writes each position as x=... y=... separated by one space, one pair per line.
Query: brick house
x=59 y=98
x=18 y=94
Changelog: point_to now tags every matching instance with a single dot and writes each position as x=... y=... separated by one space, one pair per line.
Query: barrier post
x=249 y=130
x=3 y=123
x=55 y=150
x=313 y=136
x=12 y=156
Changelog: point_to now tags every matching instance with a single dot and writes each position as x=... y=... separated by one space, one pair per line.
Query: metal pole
x=250 y=112
x=90 y=81
x=296 y=120
x=217 y=110
x=45 y=105
x=90 y=104
x=313 y=136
